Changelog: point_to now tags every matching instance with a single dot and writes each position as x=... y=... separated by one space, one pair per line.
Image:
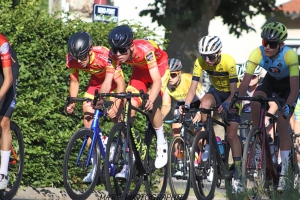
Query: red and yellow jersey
x=147 y=55
x=179 y=92
x=98 y=66
x=221 y=75
x=5 y=53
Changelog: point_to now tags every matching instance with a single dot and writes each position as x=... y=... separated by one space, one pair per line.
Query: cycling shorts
x=95 y=83
x=8 y=102
x=271 y=84
x=141 y=80
x=220 y=97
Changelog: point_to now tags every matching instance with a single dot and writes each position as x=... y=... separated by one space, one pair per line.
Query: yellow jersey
x=221 y=75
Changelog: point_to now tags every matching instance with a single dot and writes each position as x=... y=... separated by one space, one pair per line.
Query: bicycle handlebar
x=279 y=101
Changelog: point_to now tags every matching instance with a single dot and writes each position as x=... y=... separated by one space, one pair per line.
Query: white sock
x=284 y=154
x=160 y=135
x=4 y=162
x=299 y=166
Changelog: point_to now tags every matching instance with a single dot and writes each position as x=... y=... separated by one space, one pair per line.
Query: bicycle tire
x=199 y=173
x=157 y=179
x=15 y=169
x=229 y=166
x=181 y=189
x=253 y=178
x=118 y=188
x=74 y=174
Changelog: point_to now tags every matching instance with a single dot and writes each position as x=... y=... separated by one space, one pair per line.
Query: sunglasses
x=120 y=50
x=211 y=57
x=272 y=44
x=81 y=58
x=174 y=74
x=254 y=76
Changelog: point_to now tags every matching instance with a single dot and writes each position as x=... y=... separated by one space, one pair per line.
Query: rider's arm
x=291 y=59
x=252 y=63
x=156 y=85
x=74 y=87
x=8 y=78
x=109 y=76
x=195 y=80
x=166 y=104
x=199 y=91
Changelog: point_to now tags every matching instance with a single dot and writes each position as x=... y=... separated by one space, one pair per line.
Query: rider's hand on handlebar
x=223 y=107
x=196 y=118
x=112 y=113
x=70 y=108
x=149 y=105
x=99 y=104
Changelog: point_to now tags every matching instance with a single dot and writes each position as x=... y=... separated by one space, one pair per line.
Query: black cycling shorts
x=8 y=102
x=220 y=97
x=271 y=84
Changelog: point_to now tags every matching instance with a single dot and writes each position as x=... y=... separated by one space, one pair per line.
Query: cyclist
x=223 y=74
x=83 y=56
x=281 y=64
x=8 y=93
x=150 y=67
x=177 y=89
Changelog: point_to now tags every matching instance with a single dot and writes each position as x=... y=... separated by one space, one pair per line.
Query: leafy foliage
x=40 y=41
x=183 y=15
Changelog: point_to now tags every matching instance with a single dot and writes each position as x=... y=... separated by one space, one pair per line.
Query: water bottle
x=112 y=151
x=220 y=144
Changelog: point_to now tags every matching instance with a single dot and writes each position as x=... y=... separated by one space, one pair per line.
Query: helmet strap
x=218 y=60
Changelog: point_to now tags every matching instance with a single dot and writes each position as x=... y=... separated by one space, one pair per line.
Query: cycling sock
x=237 y=167
x=4 y=162
x=285 y=155
x=299 y=166
x=160 y=135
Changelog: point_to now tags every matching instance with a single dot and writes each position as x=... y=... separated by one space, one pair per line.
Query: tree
x=187 y=21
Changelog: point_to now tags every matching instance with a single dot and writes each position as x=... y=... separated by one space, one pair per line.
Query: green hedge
x=40 y=41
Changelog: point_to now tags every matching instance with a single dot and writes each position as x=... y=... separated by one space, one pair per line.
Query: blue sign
x=105 y=13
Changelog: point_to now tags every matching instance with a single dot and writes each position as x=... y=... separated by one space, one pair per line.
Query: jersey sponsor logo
x=279 y=65
x=150 y=57
x=232 y=69
x=145 y=48
x=4 y=48
x=274 y=70
x=5 y=57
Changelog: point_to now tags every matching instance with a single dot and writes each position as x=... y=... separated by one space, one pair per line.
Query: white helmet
x=257 y=70
x=240 y=70
x=209 y=45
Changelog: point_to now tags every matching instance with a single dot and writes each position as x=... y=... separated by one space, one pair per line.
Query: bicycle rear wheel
x=254 y=177
x=16 y=163
x=203 y=174
x=74 y=172
x=179 y=171
x=115 y=159
x=156 y=181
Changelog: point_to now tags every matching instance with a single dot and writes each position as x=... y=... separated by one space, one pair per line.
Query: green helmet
x=274 y=31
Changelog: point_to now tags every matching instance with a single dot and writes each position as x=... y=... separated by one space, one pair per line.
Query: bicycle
x=179 y=158
x=16 y=163
x=261 y=169
x=144 y=153
x=77 y=158
x=207 y=175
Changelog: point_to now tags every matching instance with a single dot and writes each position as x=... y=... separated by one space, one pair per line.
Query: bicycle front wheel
x=156 y=181
x=254 y=175
x=118 y=166
x=203 y=173
x=74 y=166
x=16 y=163
x=179 y=170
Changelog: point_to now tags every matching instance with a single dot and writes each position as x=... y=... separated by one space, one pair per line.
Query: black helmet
x=120 y=37
x=79 y=45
